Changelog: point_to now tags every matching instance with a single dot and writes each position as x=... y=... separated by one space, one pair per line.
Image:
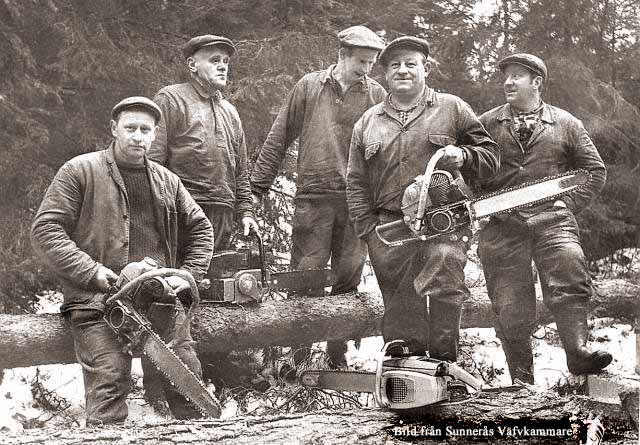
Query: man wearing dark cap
x=538 y=140
x=102 y=211
x=391 y=145
x=201 y=139
x=320 y=112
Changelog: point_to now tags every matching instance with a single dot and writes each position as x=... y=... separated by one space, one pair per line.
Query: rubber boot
x=336 y=350
x=519 y=358
x=444 y=325
x=573 y=331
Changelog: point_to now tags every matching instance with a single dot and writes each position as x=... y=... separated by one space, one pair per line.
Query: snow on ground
x=18 y=409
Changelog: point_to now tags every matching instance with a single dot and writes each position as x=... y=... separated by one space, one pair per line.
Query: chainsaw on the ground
x=242 y=276
x=401 y=381
x=439 y=202
x=139 y=286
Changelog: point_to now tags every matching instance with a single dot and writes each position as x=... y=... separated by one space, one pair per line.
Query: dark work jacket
x=558 y=144
x=200 y=138
x=322 y=119
x=386 y=156
x=83 y=222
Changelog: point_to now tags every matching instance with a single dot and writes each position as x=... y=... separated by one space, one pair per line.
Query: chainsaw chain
x=526 y=184
x=199 y=404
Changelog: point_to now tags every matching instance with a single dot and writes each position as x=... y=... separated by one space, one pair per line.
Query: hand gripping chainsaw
x=402 y=381
x=440 y=203
x=140 y=285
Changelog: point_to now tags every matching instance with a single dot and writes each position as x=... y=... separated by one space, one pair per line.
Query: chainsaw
x=241 y=276
x=401 y=381
x=140 y=285
x=439 y=202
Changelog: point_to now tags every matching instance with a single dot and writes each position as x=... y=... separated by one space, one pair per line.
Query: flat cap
x=361 y=37
x=405 y=42
x=137 y=102
x=198 y=42
x=529 y=61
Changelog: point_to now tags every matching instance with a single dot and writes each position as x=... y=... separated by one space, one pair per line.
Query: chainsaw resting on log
x=140 y=285
x=402 y=381
x=242 y=276
x=439 y=203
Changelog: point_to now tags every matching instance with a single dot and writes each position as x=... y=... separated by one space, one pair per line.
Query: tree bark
x=520 y=409
x=28 y=340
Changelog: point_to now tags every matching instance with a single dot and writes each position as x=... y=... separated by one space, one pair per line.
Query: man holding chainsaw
x=391 y=145
x=539 y=140
x=200 y=138
x=103 y=211
x=320 y=111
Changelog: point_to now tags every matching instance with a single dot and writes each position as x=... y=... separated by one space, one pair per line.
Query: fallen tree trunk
x=27 y=340
x=524 y=415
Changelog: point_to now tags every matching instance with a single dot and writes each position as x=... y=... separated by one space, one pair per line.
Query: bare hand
x=104 y=278
x=453 y=158
x=257 y=199
x=249 y=224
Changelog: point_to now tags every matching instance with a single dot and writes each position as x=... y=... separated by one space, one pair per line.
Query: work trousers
x=221 y=218
x=507 y=247
x=107 y=369
x=409 y=273
x=322 y=230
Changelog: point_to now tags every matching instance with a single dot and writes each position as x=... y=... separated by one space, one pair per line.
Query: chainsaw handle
x=423 y=197
x=163 y=272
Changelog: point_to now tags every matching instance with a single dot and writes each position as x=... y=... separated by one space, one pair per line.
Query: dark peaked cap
x=405 y=42
x=198 y=42
x=137 y=102
x=529 y=61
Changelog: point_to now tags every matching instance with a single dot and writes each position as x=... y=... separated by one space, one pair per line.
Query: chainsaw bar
x=174 y=370
x=300 y=280
x=528 y=194
x=354 y=381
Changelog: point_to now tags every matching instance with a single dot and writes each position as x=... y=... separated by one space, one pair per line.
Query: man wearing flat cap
x=538 y=140
x=102 y=211
x=422 y=283
x=200 y=138
x=320 y=112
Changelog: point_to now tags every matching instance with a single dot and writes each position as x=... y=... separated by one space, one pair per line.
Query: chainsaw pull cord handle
x=423 y=198
x=163 y=272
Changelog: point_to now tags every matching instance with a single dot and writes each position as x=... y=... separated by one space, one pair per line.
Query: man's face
x=358 y=62
x=406 y=72
x=521 y=86
x=134 y=131
x=211 y=65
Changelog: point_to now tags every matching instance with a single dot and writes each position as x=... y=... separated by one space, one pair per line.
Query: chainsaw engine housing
x=236 y=276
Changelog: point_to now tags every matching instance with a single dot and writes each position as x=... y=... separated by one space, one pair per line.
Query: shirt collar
x=427 y=99
x=203 y=91
x=546 y=114
x=327 y=76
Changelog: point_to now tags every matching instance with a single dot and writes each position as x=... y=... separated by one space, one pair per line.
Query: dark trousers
x=221 y=218
x=107 y=370
x=407 y=275
x=506 y=248
x=322 y=230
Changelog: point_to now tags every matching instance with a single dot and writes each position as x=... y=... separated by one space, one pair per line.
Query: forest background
x=65 y=63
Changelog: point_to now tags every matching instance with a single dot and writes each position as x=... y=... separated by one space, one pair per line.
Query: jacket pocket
x=441 y=140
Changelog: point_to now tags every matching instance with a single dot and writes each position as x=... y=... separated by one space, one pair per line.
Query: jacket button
x=125 y=244
x=124 y=216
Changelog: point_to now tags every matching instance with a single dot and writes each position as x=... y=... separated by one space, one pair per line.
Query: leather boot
x=573 y=331
x=444 y=326
x=519 y=358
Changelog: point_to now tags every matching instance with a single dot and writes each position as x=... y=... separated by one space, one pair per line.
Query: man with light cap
x=320 y=112
x=201 y=139
x=102 y=211
x=538 y=140
x=391 y=145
